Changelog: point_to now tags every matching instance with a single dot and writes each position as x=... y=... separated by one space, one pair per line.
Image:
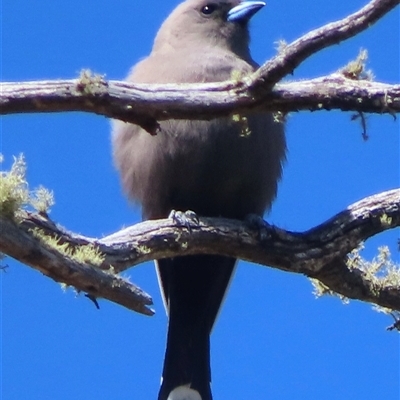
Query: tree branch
x=292 y=55
x=317 y=253
x=19 y=241
x=147 y=104
x=130 y=102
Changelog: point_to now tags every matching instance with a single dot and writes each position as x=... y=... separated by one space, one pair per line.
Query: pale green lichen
x=54 y=242
x=90 y=83
x=42 y=199
x=381 y=272
x=144 y=249
x=237 y=76
x=245 y=130
x=279 y=117
x=88 y=254
x=356 y=69
x=111 y=270
x=386 y=220
x=85 y=254
x=15 y=194
x=281 y=45
x=319 y=290
x=64 y=286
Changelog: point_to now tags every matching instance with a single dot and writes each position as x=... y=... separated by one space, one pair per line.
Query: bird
x=224 y=167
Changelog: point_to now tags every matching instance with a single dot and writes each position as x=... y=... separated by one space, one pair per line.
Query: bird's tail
x=187 y=361
x=194 y=288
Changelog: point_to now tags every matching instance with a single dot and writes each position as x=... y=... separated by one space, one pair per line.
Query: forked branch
x=146 y=104
x=317 y=253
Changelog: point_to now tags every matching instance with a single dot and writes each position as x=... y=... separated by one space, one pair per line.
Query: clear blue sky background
x=273 y=340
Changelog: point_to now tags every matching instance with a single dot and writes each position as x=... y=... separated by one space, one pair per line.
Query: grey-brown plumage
x=209 y=167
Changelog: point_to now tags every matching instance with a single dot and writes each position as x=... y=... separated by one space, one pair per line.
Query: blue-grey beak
x=244 y=11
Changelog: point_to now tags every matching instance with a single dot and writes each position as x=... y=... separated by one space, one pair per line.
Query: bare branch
x=317 y=253
x=19 y=242
x=142 y=103
x=147 y=104
x=292 y=55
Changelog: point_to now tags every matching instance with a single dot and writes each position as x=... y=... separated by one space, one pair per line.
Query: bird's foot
x=188 y=218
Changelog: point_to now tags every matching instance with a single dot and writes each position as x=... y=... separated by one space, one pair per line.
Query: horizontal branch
x=143 y=102
x=316 y=253
x=147 y=104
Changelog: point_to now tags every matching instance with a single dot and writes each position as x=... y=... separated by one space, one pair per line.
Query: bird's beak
x=244 y=11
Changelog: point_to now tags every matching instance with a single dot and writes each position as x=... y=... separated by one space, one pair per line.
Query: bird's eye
x=208 y=9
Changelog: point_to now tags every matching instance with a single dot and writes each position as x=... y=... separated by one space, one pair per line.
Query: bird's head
x=200 y=24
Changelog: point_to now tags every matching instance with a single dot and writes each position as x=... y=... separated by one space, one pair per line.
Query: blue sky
x=273 y=340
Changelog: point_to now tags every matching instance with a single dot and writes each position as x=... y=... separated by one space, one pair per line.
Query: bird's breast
x=224 y=167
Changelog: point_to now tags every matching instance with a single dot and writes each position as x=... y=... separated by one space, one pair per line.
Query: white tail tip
x=184 y=393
